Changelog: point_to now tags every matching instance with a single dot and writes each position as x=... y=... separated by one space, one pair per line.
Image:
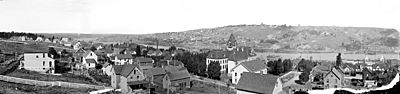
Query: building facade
x=38 y=61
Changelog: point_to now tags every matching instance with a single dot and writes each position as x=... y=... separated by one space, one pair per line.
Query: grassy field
x=13 y=88
x=200 y=87
x=44 y=77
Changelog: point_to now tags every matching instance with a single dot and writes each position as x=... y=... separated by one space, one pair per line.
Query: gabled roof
x=90 y=61
x=128 y=68
x=257 y=83
x=80 y=50
x=124 y=56
x=232 y=38
x=253 y=65
x=87 y=53
x=335 y=71
x=155 y=71
x=143 y=59
x=118 y=69
x=178 y=75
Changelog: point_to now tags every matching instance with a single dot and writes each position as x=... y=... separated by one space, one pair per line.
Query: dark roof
x=137 y=82
x=258 y=83
x=143 y=59
x=155 y=71
x=124 y=56
x=88 y=53
x=90 y=61
x=254 y=65
x=337 y=73
x=178 y=75
x=118 y=69
x=232 y=38
x=80 y=50
x=217 y=55
x=128 y=68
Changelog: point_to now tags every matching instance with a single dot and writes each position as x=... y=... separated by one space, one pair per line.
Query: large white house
x=38 y=61
x=252 y=66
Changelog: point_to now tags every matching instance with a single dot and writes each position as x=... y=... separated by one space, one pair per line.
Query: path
x=206 y=80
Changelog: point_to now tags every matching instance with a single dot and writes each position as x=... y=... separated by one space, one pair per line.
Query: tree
x=338 y=60
x=93 y=48
x=279 y=67
x=138 y=51
x=53 y=52
x=214 y=70
x=287 y=65
x=172 y=48
x=304 y=77
x=271 y=65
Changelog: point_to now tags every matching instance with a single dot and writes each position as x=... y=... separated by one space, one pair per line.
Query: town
x=76 y=66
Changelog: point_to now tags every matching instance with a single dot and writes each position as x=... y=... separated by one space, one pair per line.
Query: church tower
x=231 y=44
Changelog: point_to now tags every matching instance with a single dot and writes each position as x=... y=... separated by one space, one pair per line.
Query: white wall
x=38 y=62
x=238 y=71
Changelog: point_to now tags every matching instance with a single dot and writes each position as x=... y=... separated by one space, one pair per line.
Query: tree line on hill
x=8 y=35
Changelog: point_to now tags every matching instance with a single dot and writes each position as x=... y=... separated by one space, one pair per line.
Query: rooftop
x=258 y=83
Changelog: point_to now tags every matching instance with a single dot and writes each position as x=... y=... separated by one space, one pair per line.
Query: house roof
x=217 y=54
x=143 y=59
x=124 y=56
x=253 y=65
x=87 y=53
x=80 y=50
x=336 y=71
x=178 y=75
x=259 y=83
x=137 y=82
x=128 y=68
x=155 y=71
x=90 y=61
x=118 y=69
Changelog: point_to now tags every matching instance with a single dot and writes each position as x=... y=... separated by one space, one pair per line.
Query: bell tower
x=231 y=44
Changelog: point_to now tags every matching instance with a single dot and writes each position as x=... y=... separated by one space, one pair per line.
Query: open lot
x=205 y=88
x=66 y=77
x=13 y=88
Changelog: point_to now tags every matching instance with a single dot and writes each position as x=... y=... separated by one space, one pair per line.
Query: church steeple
x=231 y=44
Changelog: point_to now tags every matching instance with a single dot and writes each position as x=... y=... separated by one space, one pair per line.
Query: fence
x=49 y=83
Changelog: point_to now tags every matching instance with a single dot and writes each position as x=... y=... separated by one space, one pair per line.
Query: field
x=44 y=77
x=13 y=88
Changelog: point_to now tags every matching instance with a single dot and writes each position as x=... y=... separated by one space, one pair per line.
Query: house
x=157 y=52
x=220 y=57
x=128 y=77
x=39 y=39
x=90 y=59
x=256 y=83
x=144 y=62
x=121 y=59
x=98 y=46
x=77 y=45
x=65 y=39
x=170 y=77
x=164 y=63
x=320 y=69
x=334 y=78
x=253 y=66
x=47 y=40
x=39 y=61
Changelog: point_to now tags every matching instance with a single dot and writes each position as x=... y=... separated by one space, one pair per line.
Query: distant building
x=144 y=63
x=39 y=39
x=122 y=59
x=255 y=83
x=170 y=77
x=38 y=61
x=90 y=59
x=253 y=66
x=77 y=45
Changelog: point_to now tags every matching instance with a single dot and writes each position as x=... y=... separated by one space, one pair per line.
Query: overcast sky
x=151 y=16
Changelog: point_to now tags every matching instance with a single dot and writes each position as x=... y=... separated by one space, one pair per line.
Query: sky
x=154 y=16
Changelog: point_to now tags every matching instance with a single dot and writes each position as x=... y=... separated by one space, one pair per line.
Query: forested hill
x=8 y=35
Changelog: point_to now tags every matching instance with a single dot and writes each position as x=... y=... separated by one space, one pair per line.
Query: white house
x=90 y=59
x=39 y=39
x=218 y=57
x=38 y=61
x=122 y=59
x=77 y=45
x=252 y=66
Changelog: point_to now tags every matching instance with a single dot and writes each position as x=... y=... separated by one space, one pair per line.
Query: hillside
x=276 y=37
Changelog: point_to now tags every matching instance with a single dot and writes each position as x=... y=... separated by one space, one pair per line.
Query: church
x=231 y=56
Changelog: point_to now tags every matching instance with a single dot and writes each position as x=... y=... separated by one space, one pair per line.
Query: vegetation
x=305 y=66
x=8 y=35
x=338 y=60
x=278 y=67
x=195 y=63
x=214 y=70
x=205 y=88
x=66 y=77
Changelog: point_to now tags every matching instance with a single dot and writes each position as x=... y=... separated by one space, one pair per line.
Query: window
x=335 y=80
x=44 y=68
x=43 y=55
x=49 y=63
x=37 y=56
x=137 y=77
x=44 y=63
x=131 y=77
x=134 y=71
x=235 y=75
x=90 y=54
x=89 y=64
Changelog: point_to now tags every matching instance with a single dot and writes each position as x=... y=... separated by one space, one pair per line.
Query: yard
x=201 y=87
x=66 y=77
x=13 y=88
